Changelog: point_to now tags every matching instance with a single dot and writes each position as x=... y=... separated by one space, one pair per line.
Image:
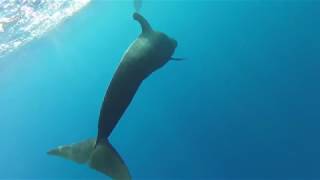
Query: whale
x=149 y=52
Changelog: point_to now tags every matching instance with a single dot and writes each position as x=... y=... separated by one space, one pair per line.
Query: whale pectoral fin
x=106 y=160
x=177 y=59
x=101 y=157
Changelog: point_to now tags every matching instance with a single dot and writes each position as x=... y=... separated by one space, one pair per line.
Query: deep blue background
x=245 y=104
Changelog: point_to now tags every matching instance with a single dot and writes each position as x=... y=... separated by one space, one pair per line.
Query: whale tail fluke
x=102 y=157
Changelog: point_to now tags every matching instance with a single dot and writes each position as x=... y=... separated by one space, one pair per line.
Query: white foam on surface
x=21 y=21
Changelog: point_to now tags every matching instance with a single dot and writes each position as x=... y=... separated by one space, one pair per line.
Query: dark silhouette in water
x=150 y=51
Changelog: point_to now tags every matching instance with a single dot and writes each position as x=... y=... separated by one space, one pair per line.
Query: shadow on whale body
x=149 y=52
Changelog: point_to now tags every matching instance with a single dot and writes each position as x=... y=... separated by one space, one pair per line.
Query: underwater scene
x=160 y=89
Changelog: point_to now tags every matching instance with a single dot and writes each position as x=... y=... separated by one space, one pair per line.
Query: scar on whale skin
x=149 y=52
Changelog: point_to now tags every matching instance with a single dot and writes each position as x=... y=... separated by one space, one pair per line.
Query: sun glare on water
x=21 y=21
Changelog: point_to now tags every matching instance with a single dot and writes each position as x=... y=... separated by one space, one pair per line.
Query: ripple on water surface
x=21 y=21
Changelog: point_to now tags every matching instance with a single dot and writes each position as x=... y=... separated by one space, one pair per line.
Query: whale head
x=161 y=46
x=164 y=46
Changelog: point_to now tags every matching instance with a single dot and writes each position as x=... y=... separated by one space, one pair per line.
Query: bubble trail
x=137 y=5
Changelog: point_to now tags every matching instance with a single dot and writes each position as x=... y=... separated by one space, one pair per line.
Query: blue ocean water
x=244 y=105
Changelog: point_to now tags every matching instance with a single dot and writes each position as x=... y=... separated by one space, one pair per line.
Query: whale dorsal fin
x=145 y=26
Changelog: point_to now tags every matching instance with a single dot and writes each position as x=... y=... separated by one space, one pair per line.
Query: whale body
x=149 y=52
